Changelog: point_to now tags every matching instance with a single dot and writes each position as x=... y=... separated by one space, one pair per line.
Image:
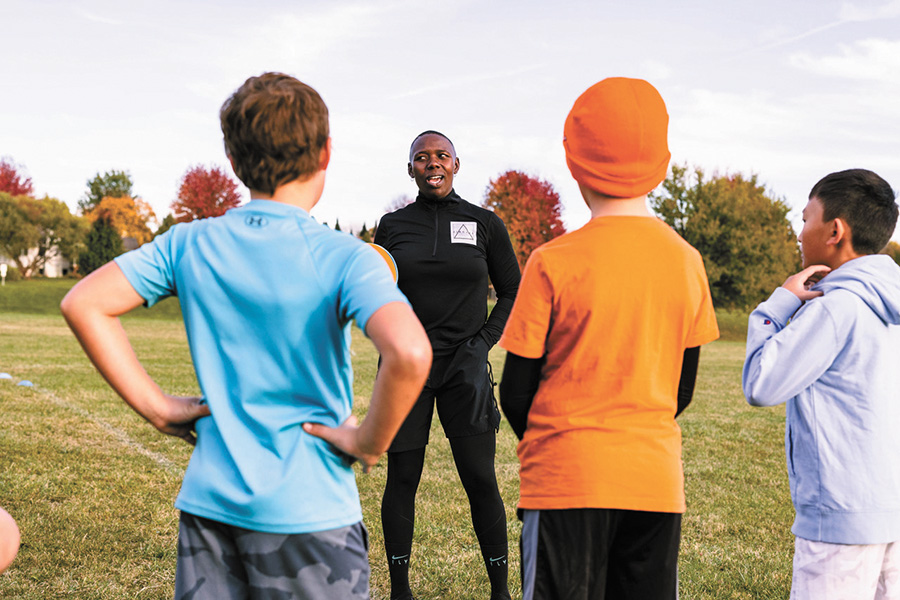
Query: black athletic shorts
x=462 y=385
x=599 y=554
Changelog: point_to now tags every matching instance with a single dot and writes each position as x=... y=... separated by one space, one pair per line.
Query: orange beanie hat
x=616 y=138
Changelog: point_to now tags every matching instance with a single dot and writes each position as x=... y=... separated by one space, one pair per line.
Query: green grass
x=42 y=296
x=732 y=325
x=92 y=485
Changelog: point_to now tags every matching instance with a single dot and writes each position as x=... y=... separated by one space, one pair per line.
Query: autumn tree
x=529 y=207
x=13 y=181
x=743 y=233
x=893 y=250
x=35 y=231
x=165 y=225
x=205 y=193
x=103 y=244
x=112 y=184
x=130 y=217
x=365 y=234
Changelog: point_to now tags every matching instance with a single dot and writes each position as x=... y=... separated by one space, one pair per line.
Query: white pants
x=824 y=571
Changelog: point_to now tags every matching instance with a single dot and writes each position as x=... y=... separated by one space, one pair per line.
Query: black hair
x=429 y=132
x=864 y=201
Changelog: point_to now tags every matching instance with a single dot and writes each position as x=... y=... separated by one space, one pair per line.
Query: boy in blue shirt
x=269 y=506
x=827 y=343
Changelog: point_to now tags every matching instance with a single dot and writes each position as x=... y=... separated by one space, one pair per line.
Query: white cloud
x=853 y=12
x=789 y=139
x=872 y=59
x=468 y=80
x=654 y=70
x=100 y=19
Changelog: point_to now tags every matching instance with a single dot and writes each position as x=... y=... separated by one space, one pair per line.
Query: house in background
x=56 y=266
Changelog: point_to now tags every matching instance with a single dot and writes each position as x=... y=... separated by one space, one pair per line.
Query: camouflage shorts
x=222 y=562
x=824 y=571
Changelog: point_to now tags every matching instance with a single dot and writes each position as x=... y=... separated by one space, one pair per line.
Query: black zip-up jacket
x=446 y=250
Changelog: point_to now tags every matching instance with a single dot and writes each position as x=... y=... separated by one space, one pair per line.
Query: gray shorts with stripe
x=222 y=562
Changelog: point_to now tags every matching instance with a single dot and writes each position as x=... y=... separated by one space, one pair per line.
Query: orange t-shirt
x=613 y=306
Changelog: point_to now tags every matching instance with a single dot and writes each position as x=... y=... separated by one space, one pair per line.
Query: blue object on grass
x=26 y=383
x=5 y=376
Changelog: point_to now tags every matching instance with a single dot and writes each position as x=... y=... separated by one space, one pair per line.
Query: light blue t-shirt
x=267 y=296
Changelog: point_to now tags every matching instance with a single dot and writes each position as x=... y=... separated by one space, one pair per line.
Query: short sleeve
x=149 y=269
x=366 y=286
x=526 y=329
x=704 y=328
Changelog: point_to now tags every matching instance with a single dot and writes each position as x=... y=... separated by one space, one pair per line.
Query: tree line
x=113 y=218
x=740 y=228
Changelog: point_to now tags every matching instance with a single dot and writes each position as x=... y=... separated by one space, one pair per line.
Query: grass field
x=92 y=485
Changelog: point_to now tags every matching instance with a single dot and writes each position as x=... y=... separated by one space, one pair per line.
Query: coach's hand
x=345 y=438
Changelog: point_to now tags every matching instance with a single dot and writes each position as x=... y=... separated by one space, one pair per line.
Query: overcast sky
x=790 y=91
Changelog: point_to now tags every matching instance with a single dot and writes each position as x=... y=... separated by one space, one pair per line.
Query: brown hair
x=275 y=129
x=865 y=201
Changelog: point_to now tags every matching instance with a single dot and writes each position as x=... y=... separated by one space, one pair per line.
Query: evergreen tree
x=103 y=245
x=364 y=234
x=165 y=225
x=112 y=184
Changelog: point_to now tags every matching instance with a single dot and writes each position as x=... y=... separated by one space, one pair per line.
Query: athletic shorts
x=463 y=387
x=222 y=562
x=824 y=571
x=598 y=553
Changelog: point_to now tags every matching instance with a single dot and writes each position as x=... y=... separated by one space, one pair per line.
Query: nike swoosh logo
x=497 y=559
x=398 y=557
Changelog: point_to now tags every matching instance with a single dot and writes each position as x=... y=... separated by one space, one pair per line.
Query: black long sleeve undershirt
x=688 y=378
x=521 y=377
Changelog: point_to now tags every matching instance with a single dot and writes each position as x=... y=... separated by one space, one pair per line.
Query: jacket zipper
x=434 y=251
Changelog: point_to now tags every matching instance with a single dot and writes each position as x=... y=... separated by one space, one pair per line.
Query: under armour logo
x=463 y=232
x=256 y=221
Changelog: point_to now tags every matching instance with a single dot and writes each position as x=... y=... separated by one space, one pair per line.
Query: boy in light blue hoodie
x=828 y=343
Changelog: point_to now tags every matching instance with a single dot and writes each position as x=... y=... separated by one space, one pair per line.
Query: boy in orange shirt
x=603 y=343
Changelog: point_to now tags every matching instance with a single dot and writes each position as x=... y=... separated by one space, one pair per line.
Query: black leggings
x=474 y=458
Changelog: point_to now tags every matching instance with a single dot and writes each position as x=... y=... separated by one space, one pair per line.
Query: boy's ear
x=325 y=156
x=840 y=232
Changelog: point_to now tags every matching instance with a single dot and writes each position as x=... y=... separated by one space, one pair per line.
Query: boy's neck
x=843 y=255
x=302 y=194
x=607 y=206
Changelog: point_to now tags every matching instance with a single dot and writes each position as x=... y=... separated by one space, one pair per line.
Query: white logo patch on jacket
x=464 y=232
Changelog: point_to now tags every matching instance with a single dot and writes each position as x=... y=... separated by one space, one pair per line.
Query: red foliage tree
x=529 y=207
x=205 y=193
x=12 y=181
